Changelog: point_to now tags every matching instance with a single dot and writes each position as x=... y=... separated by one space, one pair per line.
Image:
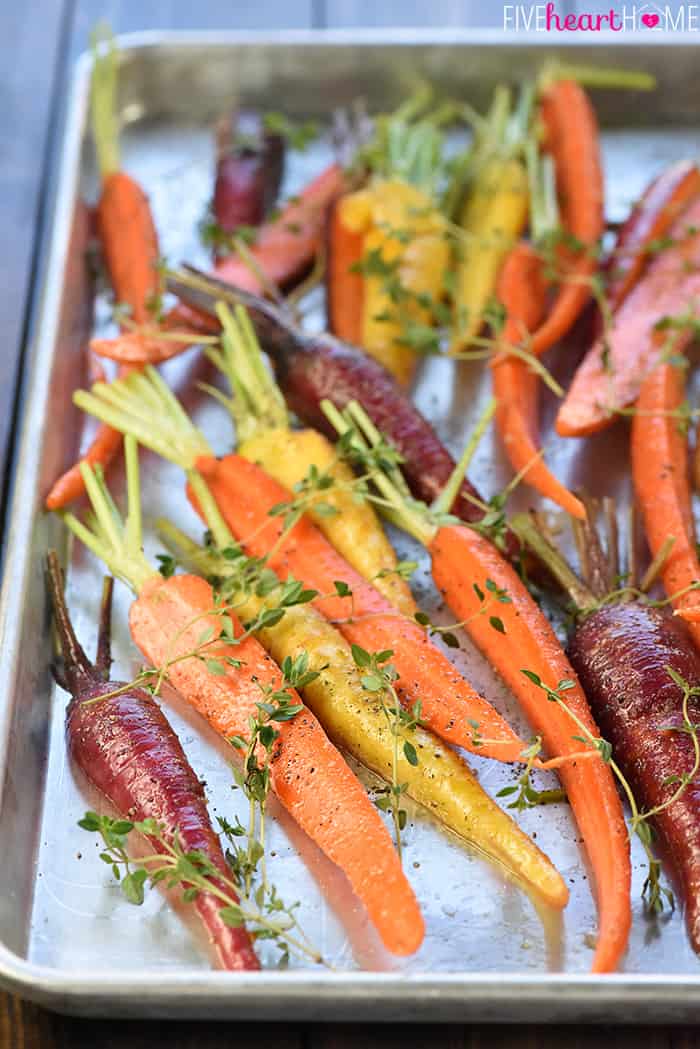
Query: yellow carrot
x=493 y=218
x=296 y=457
x=405 y=258
x=441 y=781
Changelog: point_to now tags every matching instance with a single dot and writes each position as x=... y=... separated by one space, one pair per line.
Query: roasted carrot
x=655 y=318
x=460 y=558
x=310 y=368
x=441 y=782
x=249 y=169
x=405 y=254
x=650 y=219
x=309 y=776
x=263 y=427
x=571 y=137
x=129 y=245
x=139 y=348
x=661 y=476
x=629 y=656
x=490 y=600
x=522 y=290
x=168 y=620
x=449 y=705
x=344 y=285
x=144 y=407
x=120 y=739
x=285 y=248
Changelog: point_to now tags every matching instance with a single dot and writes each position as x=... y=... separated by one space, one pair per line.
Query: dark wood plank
x=26 y=1026
x=31 y=45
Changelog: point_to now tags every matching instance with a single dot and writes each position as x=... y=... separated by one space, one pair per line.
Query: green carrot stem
x=118 y=546
x=362 y=420
x=212 y=515
x=443 y=503
x=144 y=406
x=103 y=100
x=415 y=104
x=528 y=533
x=134 y=529
x=596 y=76
x=413 y=519
x=256 y=403
x=186 y=550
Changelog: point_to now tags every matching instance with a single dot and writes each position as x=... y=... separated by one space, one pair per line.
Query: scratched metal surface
x=488 y=949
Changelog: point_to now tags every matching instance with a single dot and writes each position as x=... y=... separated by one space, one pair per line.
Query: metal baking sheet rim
x=416 y=997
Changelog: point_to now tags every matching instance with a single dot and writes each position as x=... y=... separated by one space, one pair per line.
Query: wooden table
x=39 y=40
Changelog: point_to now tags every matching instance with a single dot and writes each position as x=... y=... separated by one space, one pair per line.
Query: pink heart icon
x=650 y=21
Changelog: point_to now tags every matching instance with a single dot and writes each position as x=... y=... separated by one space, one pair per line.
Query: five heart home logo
x=549 y=18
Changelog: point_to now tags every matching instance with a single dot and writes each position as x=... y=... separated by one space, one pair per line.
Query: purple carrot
x=129 y=752
x=310 y=368
x=249 y=167
x=626 y=654
x=621 y=654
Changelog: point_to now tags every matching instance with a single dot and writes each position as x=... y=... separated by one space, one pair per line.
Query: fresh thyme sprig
x=264 y=915
x=378 y=676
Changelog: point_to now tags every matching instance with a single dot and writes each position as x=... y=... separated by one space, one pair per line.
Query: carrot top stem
x=407 y=513
x=220 y=531
x=113 y=540
x=76 y=665
x=256 y=402
x=444 y=501
x=103 y=100
x=142 y=404
x=530 y=535
x=544 y=208
x=596 y=76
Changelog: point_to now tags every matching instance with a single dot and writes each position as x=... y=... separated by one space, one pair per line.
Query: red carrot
x=127 y=749
x=285 y=248
x=649 y=221
x=656 y=317
x=249 y=167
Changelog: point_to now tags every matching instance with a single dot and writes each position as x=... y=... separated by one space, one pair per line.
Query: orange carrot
x=461 y=558
x=572 y=139
x=660 y=472
x=245 y=495
x=309 y=776
x=129 y=245
x=344 y=286
x=449 y=705
x=287 y=246
x=171 y=622
x=522 y=290
x=70 y=485
x=138 y=348
x=611 y=374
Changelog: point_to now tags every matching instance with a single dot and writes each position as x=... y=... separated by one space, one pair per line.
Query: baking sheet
x=488 y=951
